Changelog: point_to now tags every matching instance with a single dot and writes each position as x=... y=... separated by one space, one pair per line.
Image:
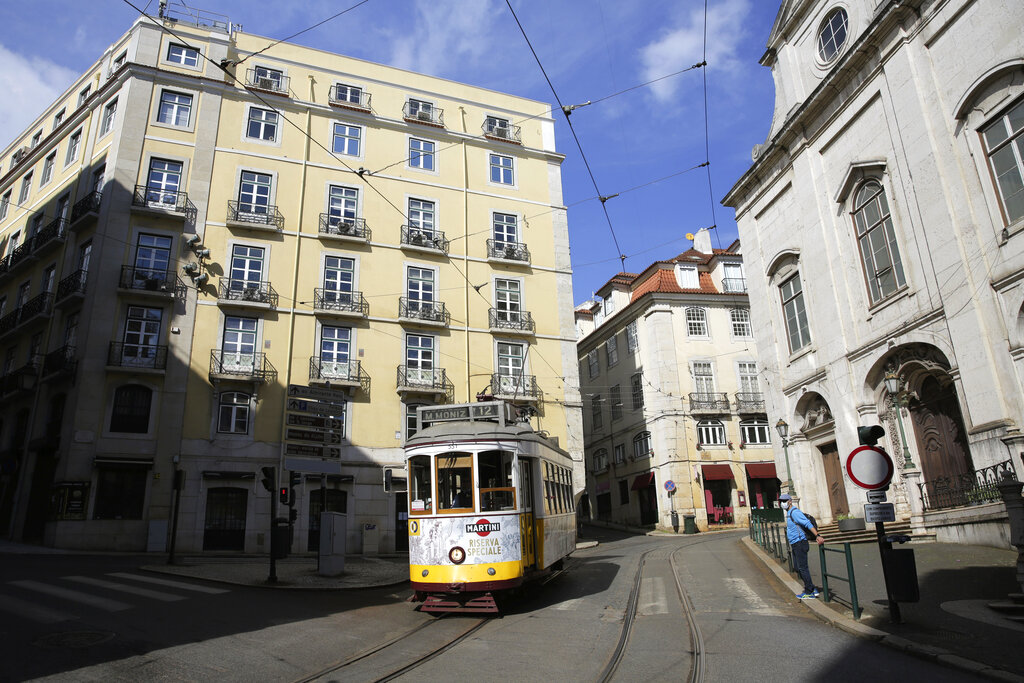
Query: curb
x=853 y=627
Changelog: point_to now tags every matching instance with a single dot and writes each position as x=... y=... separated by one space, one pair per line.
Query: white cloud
x=29 y=85
x=682 y=45
x=449 y=33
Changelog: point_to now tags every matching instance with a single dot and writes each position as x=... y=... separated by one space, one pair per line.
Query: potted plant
x=850 y=523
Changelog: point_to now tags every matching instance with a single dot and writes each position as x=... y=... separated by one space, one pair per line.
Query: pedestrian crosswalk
x=63 y=599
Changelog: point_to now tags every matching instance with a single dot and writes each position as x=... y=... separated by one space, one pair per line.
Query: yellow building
x=192 y=228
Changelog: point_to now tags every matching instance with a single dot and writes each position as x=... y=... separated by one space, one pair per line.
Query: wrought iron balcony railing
x=9 y=322
x=734 y=284
x=341 y=302
x=433 y=115
x=21 y=254
x=714 y=402
x=517 y=321
x=425 y=239
x=36 y=307
x=141 y=356
x=255 y=214
x=261 y=80
x=86 y=207
x=253 y=367
x=165 y=200
x=342 y=373
x=149 y=280
x=343 y=96
x=427 y=311
x=21 y=379
x=71 y=285
x=501 y=131
x=970 y=488
x=522 y=387
x=749 y=402
x=508 y=251
x=425 y=380
x=247 y=291
x=341 y=226
x=60 y=362
x=53 y=233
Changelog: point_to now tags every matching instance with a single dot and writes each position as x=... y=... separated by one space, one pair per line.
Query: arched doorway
x=941 y=436
x=819 y=428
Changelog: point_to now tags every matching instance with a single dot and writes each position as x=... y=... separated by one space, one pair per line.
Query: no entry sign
x=869 y=467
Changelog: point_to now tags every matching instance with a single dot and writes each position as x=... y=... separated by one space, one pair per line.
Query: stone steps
x=868 y=535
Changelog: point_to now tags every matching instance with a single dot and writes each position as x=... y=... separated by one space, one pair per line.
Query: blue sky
x=590 y=49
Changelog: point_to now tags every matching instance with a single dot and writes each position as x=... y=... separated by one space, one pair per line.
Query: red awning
x=642 y=481
x=712 y=472
x=761 y=470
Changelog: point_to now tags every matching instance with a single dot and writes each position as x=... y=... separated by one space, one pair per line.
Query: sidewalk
x=951 y=623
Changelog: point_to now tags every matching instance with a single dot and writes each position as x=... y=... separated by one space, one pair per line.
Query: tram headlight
x=425 y=572
x=457 y=555
x=490 y=571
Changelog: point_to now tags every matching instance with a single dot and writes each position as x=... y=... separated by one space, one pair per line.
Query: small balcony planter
x=850 y=523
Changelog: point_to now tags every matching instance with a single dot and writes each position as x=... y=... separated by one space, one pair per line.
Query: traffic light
x=387 y=480
x=285 y=497
x=293 y=515
x=294 y=479
x=870 y=435
x=269 y=480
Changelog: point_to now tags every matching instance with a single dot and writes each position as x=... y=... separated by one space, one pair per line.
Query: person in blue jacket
x=798 y=530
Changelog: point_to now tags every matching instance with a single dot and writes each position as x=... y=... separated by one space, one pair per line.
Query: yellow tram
x=490 y=506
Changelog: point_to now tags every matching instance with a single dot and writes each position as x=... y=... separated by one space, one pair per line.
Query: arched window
x=710 y=433
x=755 y=432
x=696 y=322
x=740 y=319
x=233 y=415
x=130 y=411
x=1004 y=145
x=832 y=34
x=878 y=249
x=600 y=459
x=642 y=445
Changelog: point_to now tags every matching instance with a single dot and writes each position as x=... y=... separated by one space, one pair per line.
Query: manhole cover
x=74 y=639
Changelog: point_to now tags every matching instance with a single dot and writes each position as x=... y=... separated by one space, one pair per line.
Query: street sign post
x=879 y=512
x=869 y=467
x=317 y=393
x=312 y=435
x=876 y=496
x=313 y=421
x=311 y=451
x=670 y=486
x=303 y=406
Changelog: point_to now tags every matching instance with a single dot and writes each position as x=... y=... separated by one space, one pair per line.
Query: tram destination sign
x=316 y=393
x=312 y=435
x=313 y=421
x=492 y=411
x=310 y=451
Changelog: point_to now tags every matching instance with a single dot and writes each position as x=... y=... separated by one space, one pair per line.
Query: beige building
x=193 y=227
x=672 y=393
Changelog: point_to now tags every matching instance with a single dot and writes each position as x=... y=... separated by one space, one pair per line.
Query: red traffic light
x=284 y=495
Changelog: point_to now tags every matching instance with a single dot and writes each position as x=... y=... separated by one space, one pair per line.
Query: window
x=508 y=300
x=49 y=276
x=455 y=481
x=141 y=337
x=733 y=279
x=495 y=481
x=348 y=93
x=506 y=230
x=502 y=170
x=24 y=290
x=163 y=183
x=71 y=330
x=710 y=433
x=421 y=154
x=687 y=277
x=13 y=242
x=83 y=95
x=63 y=206
x=74 y=142
x=421 y=218
x=246 y=267
x=120 y=491
x=740 y=319
x=832 y=35
x=703 y=377
x=26 y=187
x=420 y=110
x=335 y=344
x=180 y=54
x=623 y=492
x=343 y=205
x=793 y=310
x=262 y=125
x=420 y=289
x=595 y=411
x=631 y=338
x=755 y=432
x=109 y=112
x=254 y=195
x=696 y=322
x=152 y=256
x=339 y=277
x=98 y=177
x=878 y=250
x=637 y=390
x=1004 y=145
x=497 y=127
x=410 y=418
x=620 y=453
x=48 y=169
x=175 y=108
x=421 y=498
x=120 y=60
x=419 y=359
x=10 y=359
x=238 y=348
x=130 y=411
x=5 y=205
x=84 y=254
x=511 y=365
x=346 y=139
x=35 y=225
x=611 y=349
x=747 y=374
x=593 y=364
x=642 y=445
x=600 y=459
x=268 y=79
x=36 y=138
x=58 y=118
x=615 y=397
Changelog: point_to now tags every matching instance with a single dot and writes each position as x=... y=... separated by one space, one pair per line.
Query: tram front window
x=420 y=497
x=455 y=482
x=496 y=489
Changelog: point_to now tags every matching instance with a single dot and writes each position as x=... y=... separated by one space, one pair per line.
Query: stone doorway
x=941 y=437
x=834 y=479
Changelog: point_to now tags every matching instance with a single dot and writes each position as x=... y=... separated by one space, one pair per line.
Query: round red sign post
x=869 y=467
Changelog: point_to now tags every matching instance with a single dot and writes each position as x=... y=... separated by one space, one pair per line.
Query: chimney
x=702 y=241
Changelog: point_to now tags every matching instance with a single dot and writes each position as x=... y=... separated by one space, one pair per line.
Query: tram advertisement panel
x=485 y=538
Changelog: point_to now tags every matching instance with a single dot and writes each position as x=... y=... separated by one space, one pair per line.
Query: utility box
x=333 y=532
x=371 y=539
x=901 y=574
x=280 y=538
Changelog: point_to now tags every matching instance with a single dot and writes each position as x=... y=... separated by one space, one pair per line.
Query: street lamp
x=900 y=399
x=783 y=430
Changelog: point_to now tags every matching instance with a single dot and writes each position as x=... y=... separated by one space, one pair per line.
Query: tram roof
x=480 y=431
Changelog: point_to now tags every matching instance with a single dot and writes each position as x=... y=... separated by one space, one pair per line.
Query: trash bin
x=689 y=524
x=280 y=538
x=675 y=521
x=901 y=574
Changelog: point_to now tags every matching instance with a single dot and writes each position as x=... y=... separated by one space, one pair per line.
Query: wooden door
x=834 y=479
x=940 y=433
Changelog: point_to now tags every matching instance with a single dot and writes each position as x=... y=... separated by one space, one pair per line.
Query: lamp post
x=783 y=430
x=900 y=399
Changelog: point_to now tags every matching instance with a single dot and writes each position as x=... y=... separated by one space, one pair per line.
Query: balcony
x=734 y=285
x=967 y=489
x=137 y=357
x=245 y=367
x=431 y=117
x=54 y=233
x=340 y=304
x=343 y=228
x=430 y=381
x=160 y=202
x=259 y=79
x=515 y=387
x=160 y=283
x=254 y=216
x=37 y=308
x=750 y=402
x=714 y=403
x=510 y=322
x=71 y=289
x=508 y=252
x=338 y=373
x=430 y=313
x=499 y=130
x=59 y=363
x=85 y=211
x=246 y=293
x=428 y=241
x=21 y=380
x=342 y=96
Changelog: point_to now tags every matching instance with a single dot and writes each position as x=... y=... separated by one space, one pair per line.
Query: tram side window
x=455 y=482
x=495 y=481
x=420 y=497
x=549 y=494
